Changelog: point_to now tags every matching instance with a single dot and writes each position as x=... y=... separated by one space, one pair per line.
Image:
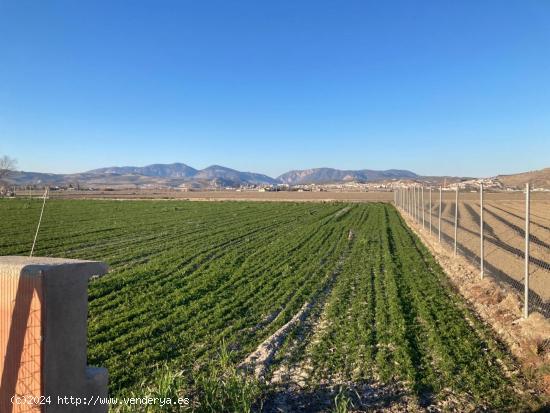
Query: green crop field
x=195 y=287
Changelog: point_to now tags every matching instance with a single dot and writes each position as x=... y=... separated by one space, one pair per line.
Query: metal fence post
x=456 y=216
x=439 y=235
x=417 y=196
x=417 y=205
x=430 y=210
x=413 y=199
x=414 y=202
x=423 y=213
x=527 y=207
x=410 y=200
x=481 y=254
x=398 y=197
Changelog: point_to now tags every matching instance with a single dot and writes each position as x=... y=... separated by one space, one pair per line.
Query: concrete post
x=417 y=200
x=439 y=231
x=430 y=210
x=411 y=207
x=410 y=202
x=43 y=329
x=526 y=275
x=481 y=251
x=423 y=212
x=414 y=203
x=397 y=198
x=456 y=217
x=418 y=205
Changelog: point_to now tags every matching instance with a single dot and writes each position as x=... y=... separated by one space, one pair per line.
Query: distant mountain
x=538 y=179
x=231 y=175
x=172 y=175
x=35 y=178
x=136 y=176
x=175 y=170
x=330 y=175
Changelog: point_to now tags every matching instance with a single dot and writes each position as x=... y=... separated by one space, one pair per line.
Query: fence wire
x=504 y=218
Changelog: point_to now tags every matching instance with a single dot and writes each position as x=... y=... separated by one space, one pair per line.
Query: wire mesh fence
x=489 y=230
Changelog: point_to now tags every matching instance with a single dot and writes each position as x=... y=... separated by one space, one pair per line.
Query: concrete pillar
x=43 y=334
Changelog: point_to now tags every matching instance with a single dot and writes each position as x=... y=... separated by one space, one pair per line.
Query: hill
x=538 y=179
x=330 y=175
x=175 y=170
x=234 y=176
x=216 y=175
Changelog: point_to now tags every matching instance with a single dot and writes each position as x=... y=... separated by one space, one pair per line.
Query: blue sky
x=437 y=87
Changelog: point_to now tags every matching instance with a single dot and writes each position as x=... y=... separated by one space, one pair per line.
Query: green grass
x=195 y=286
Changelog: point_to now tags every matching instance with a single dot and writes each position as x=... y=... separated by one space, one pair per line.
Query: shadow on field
x=324 y=398
x=536 y=302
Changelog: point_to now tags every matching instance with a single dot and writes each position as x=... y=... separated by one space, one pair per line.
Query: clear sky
x=437 y=87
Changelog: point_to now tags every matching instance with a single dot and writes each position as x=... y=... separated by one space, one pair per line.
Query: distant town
x=489 y=184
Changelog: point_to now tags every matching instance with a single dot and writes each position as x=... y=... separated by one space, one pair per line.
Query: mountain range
x=178 y=173
x=330 y=175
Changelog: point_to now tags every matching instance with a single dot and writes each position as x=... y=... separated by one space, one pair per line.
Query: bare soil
x=504 y=238
x=378 y=196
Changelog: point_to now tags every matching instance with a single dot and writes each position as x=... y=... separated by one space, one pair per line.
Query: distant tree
x=7 y=165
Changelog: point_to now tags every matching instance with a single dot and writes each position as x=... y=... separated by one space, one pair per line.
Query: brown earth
x=504 y=237
x=292 y=196
x=539 y=179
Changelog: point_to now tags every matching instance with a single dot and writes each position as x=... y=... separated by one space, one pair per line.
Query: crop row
x=392 y=317
x=185 y=276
